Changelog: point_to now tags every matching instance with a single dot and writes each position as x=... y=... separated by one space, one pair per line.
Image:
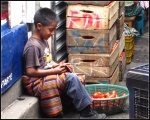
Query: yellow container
x=129 y=59
x=130 y=51
x=129 y=43
x=129 y=37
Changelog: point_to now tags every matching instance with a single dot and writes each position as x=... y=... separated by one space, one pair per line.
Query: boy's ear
x=39 y=25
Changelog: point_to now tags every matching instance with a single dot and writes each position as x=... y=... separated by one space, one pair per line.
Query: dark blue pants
x=76 y=92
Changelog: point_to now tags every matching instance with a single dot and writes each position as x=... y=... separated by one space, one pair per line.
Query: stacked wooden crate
x=121 y=40
x=91 y=41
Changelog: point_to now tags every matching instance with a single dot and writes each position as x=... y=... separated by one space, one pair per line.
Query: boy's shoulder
x=32 y=42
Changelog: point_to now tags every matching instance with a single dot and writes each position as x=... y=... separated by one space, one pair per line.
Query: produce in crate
x=112 y=99
x=112 y=94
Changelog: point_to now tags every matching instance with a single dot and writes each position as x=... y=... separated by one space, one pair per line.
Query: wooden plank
x=110 y=80
x=90 y=23
x=120 y=21
x=97 y=60
x=121 y=75
x=122 y=65
x=96 y=71
x=121 y=3
x=91 y=17
x=79 y=37
x=91 y=49
x=120 y=30
x=117 y=81
x=121 y=42
x=97 y=12
x=97 y=3
x=121 y=9
x=122 y=61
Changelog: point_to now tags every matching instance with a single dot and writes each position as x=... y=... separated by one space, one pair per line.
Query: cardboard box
x=92 y=17
x=93 y=38
x=89 y=49
x=110 y=80
x=94 y=60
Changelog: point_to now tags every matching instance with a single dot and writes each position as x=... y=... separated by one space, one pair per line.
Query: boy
x=47 y=79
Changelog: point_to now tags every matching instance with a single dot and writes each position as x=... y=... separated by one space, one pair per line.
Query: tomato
x=97 y=95
x=99 y=92
x=106 y=95
x=91 y=96
x=113 y=92
x=102 y=96
x=112 y=96
x=123 y=94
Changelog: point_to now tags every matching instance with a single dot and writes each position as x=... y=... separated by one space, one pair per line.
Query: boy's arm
x=32 y=71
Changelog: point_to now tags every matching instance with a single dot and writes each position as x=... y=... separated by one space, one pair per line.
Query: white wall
x=23 y=11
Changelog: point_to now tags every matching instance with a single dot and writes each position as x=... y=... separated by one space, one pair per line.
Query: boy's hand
x=60 y=69
x=62 y=62
x=54 y=64
x=68 y=67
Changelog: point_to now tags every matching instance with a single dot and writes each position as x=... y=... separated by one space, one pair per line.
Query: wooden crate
x=121 y=3
x=121 y=43
x=122 y=65
x=121 y=8
x=91 y=49
x=120 y=26
x=110 y=80
x=97 y=3
x=104 y=39
x=93 y=71
x=120 y=21
x=117 y=81
x=122 y=61
x=94 y=60
x=91 y=17
x=96 y=71
x=120 y=30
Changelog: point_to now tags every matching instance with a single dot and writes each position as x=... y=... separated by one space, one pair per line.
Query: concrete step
x=22 y=109
x=10 y=95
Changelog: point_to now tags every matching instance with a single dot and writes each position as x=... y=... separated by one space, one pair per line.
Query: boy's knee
x=72 y=76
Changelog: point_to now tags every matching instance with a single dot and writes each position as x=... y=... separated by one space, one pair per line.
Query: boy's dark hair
x=45 y=16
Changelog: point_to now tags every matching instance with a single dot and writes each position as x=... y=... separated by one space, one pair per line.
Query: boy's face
x=46 y=31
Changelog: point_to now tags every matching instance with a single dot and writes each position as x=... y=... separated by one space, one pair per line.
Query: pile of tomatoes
x=107 y=103
x=112 y=94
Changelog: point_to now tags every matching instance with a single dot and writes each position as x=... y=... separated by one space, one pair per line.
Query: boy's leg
x=75 y=90
x=80 y=98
